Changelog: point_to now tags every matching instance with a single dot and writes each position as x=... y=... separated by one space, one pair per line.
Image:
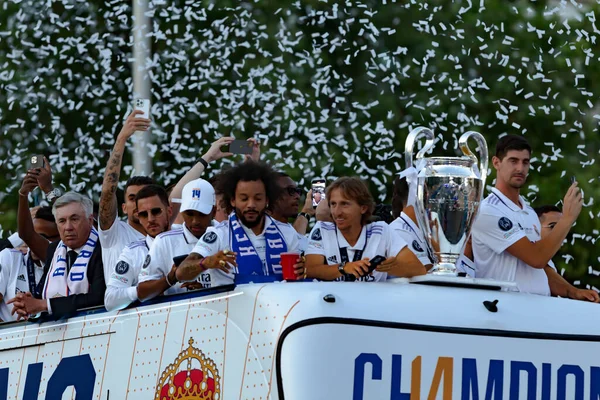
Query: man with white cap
x=158 y=272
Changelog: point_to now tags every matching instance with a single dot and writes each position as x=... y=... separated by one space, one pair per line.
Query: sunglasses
x=155 y=213
x=291 y=190
x=550 y=225
x=49 y=238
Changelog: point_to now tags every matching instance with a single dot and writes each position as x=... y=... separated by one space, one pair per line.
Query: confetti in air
x=330 y=88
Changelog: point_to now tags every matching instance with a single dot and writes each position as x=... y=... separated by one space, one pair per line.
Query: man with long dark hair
x=247 y=246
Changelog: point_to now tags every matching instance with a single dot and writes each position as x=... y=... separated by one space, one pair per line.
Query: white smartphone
x=143 y=105
x=318 y=191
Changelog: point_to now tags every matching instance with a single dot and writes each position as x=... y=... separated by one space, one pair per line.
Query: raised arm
x=301 y=223
x=107 y=212
x=214 y=153
x=36 y=242
x=539 y=253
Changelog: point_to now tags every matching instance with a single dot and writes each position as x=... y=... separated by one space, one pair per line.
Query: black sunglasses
x=155 y=212
x=49 y=238
x=291 y=190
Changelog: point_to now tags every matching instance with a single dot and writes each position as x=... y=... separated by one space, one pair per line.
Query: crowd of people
x=233 y=228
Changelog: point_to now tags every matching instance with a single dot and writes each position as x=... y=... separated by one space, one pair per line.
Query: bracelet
x=22 y=194
x=305 y=215
x=201 y=264
x=203 y=162
x=167 y=279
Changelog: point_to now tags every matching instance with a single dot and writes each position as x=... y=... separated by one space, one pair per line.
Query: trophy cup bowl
x=449 y=191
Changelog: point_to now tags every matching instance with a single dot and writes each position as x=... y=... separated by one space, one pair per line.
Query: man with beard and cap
x=22 y=272
x=286 y=207
x=507 y=244
x=246 y=247
x=154 y=213
x=158 y=272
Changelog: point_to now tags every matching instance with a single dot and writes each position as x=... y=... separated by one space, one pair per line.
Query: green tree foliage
x=330 y=88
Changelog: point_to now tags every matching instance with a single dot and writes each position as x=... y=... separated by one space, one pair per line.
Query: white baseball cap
x=198 y=195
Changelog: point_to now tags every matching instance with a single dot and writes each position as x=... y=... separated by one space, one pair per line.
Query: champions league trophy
x=448 y=193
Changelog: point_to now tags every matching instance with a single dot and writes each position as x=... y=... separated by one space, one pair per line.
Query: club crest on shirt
x=505 y=224
x=146 y=262
x=209 y=237
x=122 y=267
x=316 y=235
x=417 y=246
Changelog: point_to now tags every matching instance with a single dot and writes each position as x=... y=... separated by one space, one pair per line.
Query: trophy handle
x=412 y=138
x=483 y=150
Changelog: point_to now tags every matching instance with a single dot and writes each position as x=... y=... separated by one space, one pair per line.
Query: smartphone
x=240 y=146
x=143 y=105
x=374 y=262
x=573 y=180
x=179 y=259
x=37 y=161
x=318 y=191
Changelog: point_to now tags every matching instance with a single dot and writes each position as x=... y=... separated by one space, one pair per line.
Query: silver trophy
x=449 y=191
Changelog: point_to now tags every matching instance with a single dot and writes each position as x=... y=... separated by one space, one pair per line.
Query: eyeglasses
x=155 y=212
x=292 y=190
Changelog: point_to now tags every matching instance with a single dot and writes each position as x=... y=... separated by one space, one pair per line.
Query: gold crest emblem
x=191 y=376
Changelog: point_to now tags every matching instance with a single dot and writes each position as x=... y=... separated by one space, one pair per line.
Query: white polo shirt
x=113 y=241
x=412 y=235
x=121 y=288
x=159 y=261
x=500 y=224
x=14 y=279
x=218 y=238
x=376 y=239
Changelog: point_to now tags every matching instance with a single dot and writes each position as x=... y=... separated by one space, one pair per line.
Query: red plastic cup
x=288 y=260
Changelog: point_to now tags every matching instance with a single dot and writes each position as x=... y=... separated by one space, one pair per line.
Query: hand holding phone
x=179 y=259
x=374 y=262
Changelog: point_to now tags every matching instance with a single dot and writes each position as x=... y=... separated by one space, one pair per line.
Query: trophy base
x=443 y=269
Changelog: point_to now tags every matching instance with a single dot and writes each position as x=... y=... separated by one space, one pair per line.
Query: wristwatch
x=341 y=268
x=53 y=195
x=305 y=215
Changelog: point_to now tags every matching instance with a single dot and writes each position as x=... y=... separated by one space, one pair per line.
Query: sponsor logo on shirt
x=146 y=262
x=209 y=237
x=417 y=247
x=122 y=268
x=333 y=259
x=505 y=224
x=511 y=232
x=21 y=278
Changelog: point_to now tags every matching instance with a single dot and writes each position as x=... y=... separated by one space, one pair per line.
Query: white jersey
x=113 y=241
x=219 y=238
x=159 y=261
x=14 y=279
x=376 y=239
x=500 y=224
x=412 y=235
x=121 y=288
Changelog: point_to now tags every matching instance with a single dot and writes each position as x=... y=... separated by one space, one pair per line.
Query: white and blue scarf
x=248 y=261
x=58 y=284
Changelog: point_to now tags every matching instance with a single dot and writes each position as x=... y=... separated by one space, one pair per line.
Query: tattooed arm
x=107 y=212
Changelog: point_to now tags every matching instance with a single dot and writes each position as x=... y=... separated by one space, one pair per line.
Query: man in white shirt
x=549 y=216
x=115 y=234
x=406 y=226
x=507 y=244
x=158 y=272
x=154 y=213
x=246 y=247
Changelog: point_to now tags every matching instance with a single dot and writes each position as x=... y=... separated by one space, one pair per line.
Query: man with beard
x=154 y=213
x=246 y=247
x=158 y=272
x=21 y=273
x=507 y=244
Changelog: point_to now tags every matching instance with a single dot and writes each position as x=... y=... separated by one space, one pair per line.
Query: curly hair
x=247 y=171
x=356 y=189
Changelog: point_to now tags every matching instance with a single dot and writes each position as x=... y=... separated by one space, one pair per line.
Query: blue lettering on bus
x=523 y=378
